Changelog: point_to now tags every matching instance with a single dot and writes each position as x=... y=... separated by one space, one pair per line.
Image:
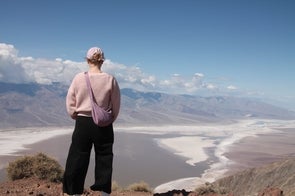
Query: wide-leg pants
x=86 y=134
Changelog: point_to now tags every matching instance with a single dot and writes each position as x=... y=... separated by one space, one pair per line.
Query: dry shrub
x=210 y=188
x=115 y=186
x=40 y=166
x=21 y=168
x=139 y=187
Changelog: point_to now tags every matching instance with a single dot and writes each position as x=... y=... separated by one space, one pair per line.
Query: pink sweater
x=106 y=91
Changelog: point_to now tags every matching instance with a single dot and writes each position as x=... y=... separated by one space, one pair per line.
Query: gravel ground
x=36 y=187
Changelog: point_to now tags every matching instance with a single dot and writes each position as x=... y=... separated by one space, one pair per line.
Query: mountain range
x=29 y=105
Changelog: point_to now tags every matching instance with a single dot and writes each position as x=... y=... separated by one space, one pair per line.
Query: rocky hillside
x=37 y=187
x=249 y=182
x=276 y=179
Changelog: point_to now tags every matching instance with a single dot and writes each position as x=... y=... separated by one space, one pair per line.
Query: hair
x=97 y=59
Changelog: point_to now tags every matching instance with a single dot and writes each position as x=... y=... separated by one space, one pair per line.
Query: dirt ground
x=37 y=187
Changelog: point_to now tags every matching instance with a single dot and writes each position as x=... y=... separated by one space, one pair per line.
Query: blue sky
x=229 y=47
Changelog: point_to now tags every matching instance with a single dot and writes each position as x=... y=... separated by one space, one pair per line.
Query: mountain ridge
x=34 y=104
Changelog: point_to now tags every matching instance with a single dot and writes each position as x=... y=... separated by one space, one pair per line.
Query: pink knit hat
x=95 y=50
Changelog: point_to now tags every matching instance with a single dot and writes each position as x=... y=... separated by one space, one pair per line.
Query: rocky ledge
x=36 y=187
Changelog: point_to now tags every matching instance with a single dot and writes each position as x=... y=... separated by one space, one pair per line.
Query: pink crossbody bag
x=100 y=116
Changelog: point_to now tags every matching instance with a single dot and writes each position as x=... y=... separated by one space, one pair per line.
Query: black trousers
x=85 y=135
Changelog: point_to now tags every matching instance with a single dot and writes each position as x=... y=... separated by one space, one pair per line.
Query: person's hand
x=74 y=115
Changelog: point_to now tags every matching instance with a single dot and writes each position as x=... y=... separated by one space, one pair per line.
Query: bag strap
x=91 y=95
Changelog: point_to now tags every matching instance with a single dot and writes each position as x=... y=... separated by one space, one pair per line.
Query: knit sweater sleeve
x=71 y=101
x=115 y=98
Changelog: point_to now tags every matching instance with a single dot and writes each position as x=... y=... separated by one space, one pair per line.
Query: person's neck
x=94 y=69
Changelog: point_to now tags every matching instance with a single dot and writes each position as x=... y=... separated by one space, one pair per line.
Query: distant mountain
x=24 y=105
x=33 y=104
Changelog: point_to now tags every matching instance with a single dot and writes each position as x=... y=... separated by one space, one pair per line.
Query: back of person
x=105 y=90
x=86 y=133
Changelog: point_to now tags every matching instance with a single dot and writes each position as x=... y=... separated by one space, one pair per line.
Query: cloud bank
x=17 y=69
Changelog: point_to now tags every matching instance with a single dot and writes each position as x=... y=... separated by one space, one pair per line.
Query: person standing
x=86 y=133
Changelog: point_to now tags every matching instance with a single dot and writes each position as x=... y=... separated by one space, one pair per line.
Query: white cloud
x=7 y=51
x=211 y=86
x=199 y=75
x=186 y=84
x=232 y=87
x=16 y=69
x=11 y=69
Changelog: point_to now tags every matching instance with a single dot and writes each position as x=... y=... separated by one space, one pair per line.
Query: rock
x=186 y=193
x=174 y=193
x=269 y=191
